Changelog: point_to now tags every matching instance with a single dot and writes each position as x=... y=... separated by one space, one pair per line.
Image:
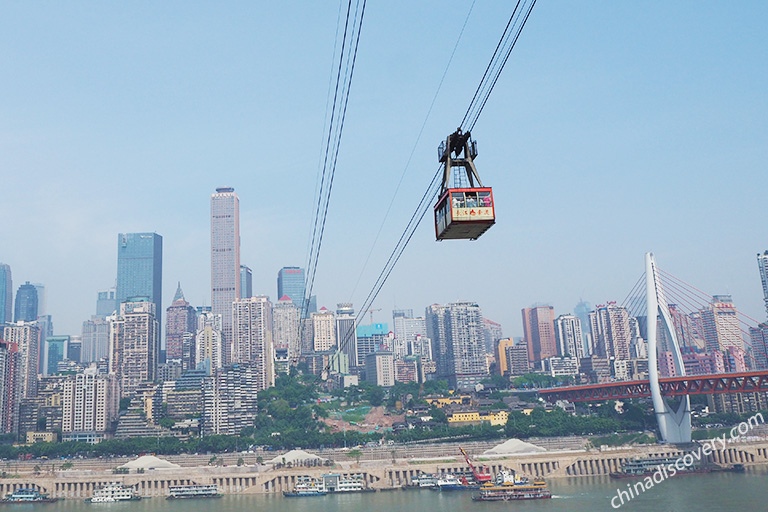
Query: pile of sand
x=514 y=446
x=149 y=462
x=295 y=456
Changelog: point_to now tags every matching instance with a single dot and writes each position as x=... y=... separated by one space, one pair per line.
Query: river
x=720 y=492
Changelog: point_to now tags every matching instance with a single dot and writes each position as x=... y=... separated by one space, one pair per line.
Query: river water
x=721 y=492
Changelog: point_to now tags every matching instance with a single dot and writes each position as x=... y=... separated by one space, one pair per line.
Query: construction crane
x=482 y=475
x=372 y=311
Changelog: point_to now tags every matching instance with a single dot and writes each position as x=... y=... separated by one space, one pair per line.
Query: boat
x=452 y=482
x=508 y=486
x=178 y=492
x=113 y=492
x=27 y=495
x=640 y=468
x=427 y=480
x=337 y=483
x=306 y=486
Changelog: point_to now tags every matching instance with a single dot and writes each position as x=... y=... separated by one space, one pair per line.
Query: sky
x=616 y=128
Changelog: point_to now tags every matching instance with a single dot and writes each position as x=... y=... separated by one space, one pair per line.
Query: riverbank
x=395 y=472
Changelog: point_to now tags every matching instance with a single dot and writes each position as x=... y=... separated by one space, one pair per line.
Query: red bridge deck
x=670 y=386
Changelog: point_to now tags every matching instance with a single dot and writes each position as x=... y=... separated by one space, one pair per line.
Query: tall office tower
x=105 y=304
x=466 y=345
x=230 y=400
x=246 y=282
x=41 y=299
x=380 y=369
x=134 y=347
x=10 y=397
x=225 y=261
x=95 y=336
x=290 y=282
x=252 y=338
x=346 y=331
x=612 y=331
x=26 y=337
x=180 y=320
x=720 y=323
x=45 y=323
x=208 y=344
x=6 y=293
x=75 y=349
x=323 y=330
x=539 y=332
x=139 y=268
x=408 y=333
x=434 y=316
x=286 y=328
x=56 y=348
x=372 y=338
x=762 y=263
x=26 y=303
x=89 y=401
x=582 y=310
x=492 y=333
x=568 y=336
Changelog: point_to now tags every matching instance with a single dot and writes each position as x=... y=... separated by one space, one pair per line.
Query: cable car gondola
x=462 y=213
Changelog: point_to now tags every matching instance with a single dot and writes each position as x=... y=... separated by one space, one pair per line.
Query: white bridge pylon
x=674 y=421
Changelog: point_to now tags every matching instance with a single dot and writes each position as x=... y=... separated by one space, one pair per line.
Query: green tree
x=355 y=454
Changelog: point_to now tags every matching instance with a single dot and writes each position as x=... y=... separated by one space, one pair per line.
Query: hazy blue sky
x=616 y=128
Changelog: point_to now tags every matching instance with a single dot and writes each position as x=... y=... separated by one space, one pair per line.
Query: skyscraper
x=434 y=317
x=346 y=331
x=140 y=267
x=225 y=260
x=95 y=335
x=252 y=338
x=208 y=343
x=180 y=320
x=762 y=263
x=133 y=345
x=290 y=282
x=286 y=327
x=105 y=304
x=568 y=336
x=539 y=332
x=323 y=330
x=26 y=303
x=26 y=337
x=612 y=331
x=56 y=348
x=246 y=282
x=720 y=323
x=466 y=345
x=230 y=400
x=6 y=293
x=9 y=387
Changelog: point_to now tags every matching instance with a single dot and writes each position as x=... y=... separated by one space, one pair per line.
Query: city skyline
x=622 y=142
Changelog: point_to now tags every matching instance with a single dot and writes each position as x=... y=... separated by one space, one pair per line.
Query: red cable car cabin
x=464 y=213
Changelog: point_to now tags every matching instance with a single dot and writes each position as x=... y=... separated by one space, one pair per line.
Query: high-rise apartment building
x=225 y=261
x=90 y=402
x=409 y=332
x=612 y=331
x=26 y=303
x=286 y=328
x=568 y=336
x=434 y=316
x=6 y=294
x=139 y=268
x=502 y=363
x=26 y=338
x=180 y=321
x=466 y=345
x=380 y=369
x=346 y=331
x=208 y=343
x=323 y=330
x=246 y=282
x=372 y=338
x=492 y=332
x=720 y=323
x=539 y=332
x=230 y=400
x=95 y=339
x=10 y=389
x=252 y=338
x=134 y=346
x=762 y=264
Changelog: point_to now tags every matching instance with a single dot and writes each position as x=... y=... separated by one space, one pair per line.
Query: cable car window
x=457 y=199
